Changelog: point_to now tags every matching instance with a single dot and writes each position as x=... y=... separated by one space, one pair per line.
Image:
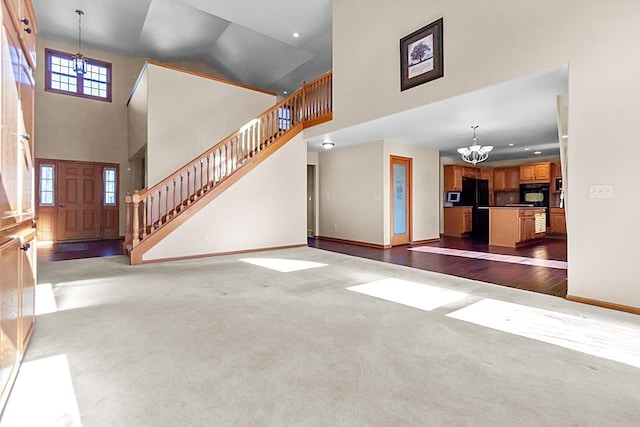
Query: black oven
x=536 y=195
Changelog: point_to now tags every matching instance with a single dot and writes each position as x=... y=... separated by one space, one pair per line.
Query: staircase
x=151 y=214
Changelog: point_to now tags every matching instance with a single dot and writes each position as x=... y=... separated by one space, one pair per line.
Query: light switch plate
x=601 y=191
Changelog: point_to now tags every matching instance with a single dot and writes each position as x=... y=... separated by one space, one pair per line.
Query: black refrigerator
x=475 y=193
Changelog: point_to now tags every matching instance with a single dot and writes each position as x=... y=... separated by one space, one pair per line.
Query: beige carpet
x=264 y=342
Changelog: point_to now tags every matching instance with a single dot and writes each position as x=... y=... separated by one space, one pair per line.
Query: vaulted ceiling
x=249 y=41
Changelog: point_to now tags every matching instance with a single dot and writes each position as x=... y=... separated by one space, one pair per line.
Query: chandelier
x=79 y=61
x=475 y=153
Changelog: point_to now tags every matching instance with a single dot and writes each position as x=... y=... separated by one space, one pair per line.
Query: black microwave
x=558 y=184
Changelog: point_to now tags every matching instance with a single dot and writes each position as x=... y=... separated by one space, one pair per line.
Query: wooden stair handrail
x=149 y=209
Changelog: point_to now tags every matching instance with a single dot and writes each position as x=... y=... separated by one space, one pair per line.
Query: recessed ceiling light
x=285 y=92
x=526 y=149
x=537 y=152
x=296 y=35
x=510 y=145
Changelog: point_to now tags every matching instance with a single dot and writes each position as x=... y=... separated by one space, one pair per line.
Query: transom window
x=110 y=186
x=60 y=77
x=46 y=185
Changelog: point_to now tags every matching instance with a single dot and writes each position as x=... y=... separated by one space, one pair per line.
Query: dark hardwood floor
x=551 y=281
x=77 y=250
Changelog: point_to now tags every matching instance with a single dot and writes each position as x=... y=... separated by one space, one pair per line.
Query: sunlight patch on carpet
x=612 y=341
x=283 y=265
x=45 y=300
x=43 y=395
x=416 y=295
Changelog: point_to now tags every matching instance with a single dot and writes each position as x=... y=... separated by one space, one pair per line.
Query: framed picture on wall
x=421 y=56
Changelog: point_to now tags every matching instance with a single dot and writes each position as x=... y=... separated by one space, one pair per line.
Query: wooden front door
x=76 y=200
x=401 y=204
x=79 y=201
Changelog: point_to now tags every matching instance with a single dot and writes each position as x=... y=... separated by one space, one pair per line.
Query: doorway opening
x=311 y=200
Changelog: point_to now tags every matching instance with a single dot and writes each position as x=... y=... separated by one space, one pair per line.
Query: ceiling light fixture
x=511 y=145
x=526 y=149
x=537 y=152
x=475 y=153
x=328 y=145
x=296 y=35
x=79 y=61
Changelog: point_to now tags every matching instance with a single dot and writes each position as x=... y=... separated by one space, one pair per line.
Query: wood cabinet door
x=9 y=309
x=452 y=178
x=28 y=287
x=526 y=173
x=513 y=179
x=79 y=201
x=26 y=142
x=557 y=224
x=488 y=175
x=541 y=172
x=499 y=179
x=529 y=228
x=457 y=178
x=466 y=221
x=10 y=151
x=469 y=173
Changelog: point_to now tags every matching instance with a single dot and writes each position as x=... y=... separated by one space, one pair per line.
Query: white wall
x=265 y=209
x=351 y=192
x=138 y=111
x=486 y=43
x=426 y=190
x=355 y=193
x=188 y=114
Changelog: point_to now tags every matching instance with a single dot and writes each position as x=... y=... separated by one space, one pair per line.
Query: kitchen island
x=512 y=226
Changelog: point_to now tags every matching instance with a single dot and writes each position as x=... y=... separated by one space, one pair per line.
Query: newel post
x=136 y=219
x=127 y=227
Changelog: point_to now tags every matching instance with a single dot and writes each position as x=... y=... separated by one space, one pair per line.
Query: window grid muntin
x=46 y=185
x=94 y=84
x=110 y=186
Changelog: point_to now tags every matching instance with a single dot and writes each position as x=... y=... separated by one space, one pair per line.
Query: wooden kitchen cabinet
x=556 y=172
x=17 y=304
x=17 y=233
x=527 y=228
x=506 y=179
x=557 y=221
x=453 y=178
x=457 y=221
x=486 y=173
x=467 y=220
x=513 y=226
x=535 y=173
x=468 y=172
x=513 y=179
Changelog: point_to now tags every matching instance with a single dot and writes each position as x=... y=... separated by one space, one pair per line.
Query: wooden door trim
x=39 y=161
x=409 y=162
